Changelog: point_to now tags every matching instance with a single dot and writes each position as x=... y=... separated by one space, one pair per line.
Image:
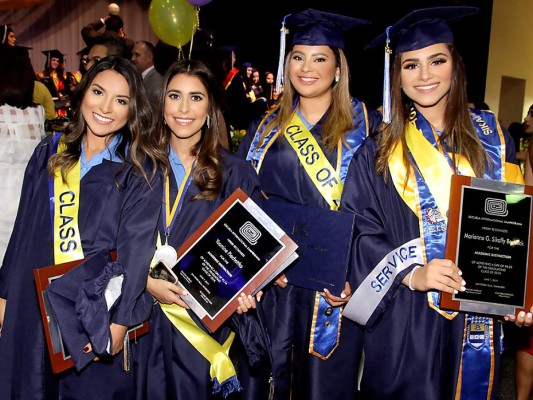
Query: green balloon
x=173 y=21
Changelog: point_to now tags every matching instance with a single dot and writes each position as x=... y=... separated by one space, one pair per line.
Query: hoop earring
x=208 y=121
x=337 y=78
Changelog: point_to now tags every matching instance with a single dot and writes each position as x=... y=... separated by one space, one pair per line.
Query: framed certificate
x=238 y=249
x=489 y=238
x=60 y=356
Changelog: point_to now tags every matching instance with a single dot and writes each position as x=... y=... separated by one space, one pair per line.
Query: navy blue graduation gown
x=411 y=352
x=288 y=312
x=110 y=218
x=173 y=368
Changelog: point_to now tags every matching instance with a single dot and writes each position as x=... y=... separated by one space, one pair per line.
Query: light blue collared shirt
x=307 y=124
x=109 y=153
x=177 y=166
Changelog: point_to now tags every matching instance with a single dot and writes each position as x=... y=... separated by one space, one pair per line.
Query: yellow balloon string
x=194 y=27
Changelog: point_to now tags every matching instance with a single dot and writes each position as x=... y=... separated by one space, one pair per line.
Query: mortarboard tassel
x=386 y=82
x=281 y=62
x=5 y=34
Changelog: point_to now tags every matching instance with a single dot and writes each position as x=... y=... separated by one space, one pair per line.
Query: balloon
x=199 y=3
x=173 y=21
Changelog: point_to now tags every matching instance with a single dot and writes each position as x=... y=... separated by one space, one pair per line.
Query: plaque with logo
x=238 y=249
x=489 y=237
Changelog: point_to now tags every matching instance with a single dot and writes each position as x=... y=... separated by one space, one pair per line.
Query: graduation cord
x=386 y=81
x=281 y=60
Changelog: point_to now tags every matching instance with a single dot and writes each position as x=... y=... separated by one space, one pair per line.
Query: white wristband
x=410 y=283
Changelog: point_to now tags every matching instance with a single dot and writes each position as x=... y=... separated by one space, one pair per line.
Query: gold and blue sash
x=64 y=207
x=428 y=199
x=222 y=371
x=329 y=181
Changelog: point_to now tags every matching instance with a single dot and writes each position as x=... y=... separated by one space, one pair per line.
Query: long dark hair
x=459 y=133
x=17 y=78
x=134 y=133
x=60 y=71
x=207 y=172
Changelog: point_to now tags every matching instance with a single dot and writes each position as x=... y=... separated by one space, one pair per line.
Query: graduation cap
x=319 y=28
x=54 y=53
x=418 y=29
x=422 y=28
x=83 y=52
x=315 y=28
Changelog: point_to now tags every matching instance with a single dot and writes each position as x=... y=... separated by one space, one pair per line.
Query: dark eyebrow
x=103 y=90
x=312 y=55
x=98 y=86
x=427 y=58
x=191 y=93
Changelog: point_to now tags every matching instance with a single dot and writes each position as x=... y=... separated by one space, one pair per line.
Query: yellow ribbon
x=325 y=178
x=67 y=241
x=218 y=355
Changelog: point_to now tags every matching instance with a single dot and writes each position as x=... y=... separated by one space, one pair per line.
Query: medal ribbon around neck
x=169 y=215
x=64 y=208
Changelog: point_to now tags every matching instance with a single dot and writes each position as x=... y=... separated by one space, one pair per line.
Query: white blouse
x=20 y=132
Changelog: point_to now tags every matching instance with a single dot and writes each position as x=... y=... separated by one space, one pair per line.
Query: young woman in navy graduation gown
x=316 y=97
x=201 y=175
x=399 y=193
x=108 y=163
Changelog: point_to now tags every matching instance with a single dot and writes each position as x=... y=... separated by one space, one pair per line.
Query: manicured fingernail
x=460 y=273
x=326 y=290
x=463 y=288
x=185 y=293
x=463 y=283
x=86 y=349
x=343 y=296
x=455 y=291
x=285 y=280
x=529 y=315
x=521 y=314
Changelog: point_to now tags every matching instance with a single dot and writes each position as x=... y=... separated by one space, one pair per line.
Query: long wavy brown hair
x=134 y=134
x=459 y=133
x=339 y=120
x=207 y=171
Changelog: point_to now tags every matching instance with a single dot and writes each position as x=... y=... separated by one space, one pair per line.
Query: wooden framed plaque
x=238 y=249
x=489 y=238
x=60 y=357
